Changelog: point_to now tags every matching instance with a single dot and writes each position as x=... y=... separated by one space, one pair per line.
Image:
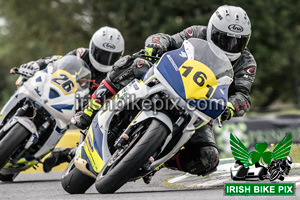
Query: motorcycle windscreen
x=70 y=75
x=196 y=80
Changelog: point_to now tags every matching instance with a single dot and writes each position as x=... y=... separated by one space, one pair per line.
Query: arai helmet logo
x=235 y=28
x=109 y=46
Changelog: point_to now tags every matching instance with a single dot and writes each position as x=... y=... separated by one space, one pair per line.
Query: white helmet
x=289 y=160
x=230 y=29
x=106 y=47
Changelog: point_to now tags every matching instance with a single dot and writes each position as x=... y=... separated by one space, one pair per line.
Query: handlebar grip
x=14 y=70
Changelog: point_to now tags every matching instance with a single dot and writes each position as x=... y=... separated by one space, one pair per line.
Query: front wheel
x=127 y=167
x=74 y=181
x=274 y=174
x=11 y=142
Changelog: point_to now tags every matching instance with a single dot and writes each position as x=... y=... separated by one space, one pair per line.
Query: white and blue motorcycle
x=149 y=120
x=37 y=115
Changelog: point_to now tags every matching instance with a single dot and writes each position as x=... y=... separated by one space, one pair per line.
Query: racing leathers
x=200 y=155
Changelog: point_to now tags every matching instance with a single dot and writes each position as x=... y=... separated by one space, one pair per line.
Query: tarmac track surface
x=47 y=186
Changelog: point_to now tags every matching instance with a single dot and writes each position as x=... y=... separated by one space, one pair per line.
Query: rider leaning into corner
x=229 y=28
x=106 y=47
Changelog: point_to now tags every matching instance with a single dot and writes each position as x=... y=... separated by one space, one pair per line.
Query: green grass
x=287 y=111
x=295 y=153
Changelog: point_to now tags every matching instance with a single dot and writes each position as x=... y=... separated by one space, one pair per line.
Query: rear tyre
x=8 y=177
x=133 y=160
x=11 y=142
x=74 y=181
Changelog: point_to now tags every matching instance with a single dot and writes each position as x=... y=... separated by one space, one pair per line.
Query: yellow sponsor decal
x=198 y=80
x=64 y=81
x=1 y=116
x=95 y=159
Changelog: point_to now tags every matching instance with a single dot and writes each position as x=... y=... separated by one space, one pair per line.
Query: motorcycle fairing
x=194 y=81
x=171 y=72
x=37 y=90
x=93 y=141
x=64 y=81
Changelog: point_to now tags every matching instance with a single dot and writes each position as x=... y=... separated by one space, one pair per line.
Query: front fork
x=27 y=122
x=9 y=123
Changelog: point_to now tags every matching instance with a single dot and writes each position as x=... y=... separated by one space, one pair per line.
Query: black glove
x=228 y=113
x=154 y=49
x=82 y=120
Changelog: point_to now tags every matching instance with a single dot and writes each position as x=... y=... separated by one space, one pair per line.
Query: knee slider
x=209 y=157
x=202 y=163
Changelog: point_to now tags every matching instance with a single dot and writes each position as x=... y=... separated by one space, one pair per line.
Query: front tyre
x=133 y=160
x=11 y=142
x=274 y=174
x=74 y=181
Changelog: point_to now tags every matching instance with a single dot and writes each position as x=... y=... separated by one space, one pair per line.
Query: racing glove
x=83 y=119
x=154 y=49
x=29 y=69
x=228 y=113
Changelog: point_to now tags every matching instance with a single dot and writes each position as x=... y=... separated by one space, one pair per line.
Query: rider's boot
x=147 y=179
x=58 y=156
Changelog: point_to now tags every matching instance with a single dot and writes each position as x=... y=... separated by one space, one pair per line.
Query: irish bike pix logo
x=261 y=164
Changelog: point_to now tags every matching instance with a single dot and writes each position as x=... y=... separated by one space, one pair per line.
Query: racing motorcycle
x=278 y=168
x=126 y=142
x=36 y=117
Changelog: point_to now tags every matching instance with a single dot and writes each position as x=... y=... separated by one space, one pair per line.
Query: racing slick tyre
x=111 y=179
x=8 y=177
x=74 y=181
x=11 y=142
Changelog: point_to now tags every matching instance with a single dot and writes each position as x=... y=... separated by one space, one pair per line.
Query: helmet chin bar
x=232 y=56
x=98 y=66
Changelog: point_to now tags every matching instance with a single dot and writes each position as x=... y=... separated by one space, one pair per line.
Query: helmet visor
x=230 y=43
x=104 y=57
